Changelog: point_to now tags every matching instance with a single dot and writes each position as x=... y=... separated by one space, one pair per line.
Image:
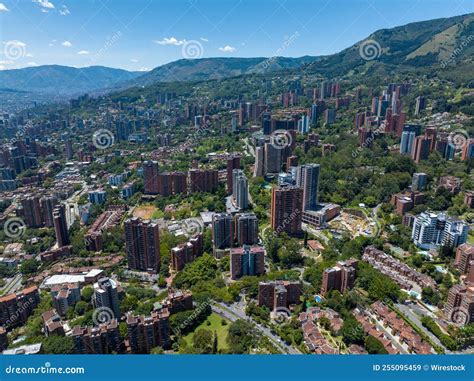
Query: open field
x=215 y=325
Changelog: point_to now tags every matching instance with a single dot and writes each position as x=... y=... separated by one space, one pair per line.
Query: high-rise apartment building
x=106 y=295
x=240 y=187
x=246 y=229
x=142 y=238
x=286 y=209
x=307 y=178
x=247 y=260
x=151 y=171
x=233 y=162
x=222 y=231
x=60 y=225
x=203 y=180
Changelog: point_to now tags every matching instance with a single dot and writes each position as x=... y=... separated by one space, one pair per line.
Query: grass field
x=146 y=212
x=215 y=325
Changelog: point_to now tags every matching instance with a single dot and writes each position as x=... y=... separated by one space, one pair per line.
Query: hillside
x=429 y=47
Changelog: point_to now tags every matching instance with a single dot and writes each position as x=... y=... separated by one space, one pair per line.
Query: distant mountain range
x=443 y=47
x=57 y=79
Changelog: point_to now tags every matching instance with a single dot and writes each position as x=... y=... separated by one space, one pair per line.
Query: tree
x=203 y=341
x=374 y=346
x=87 y=294
x=30 y=266
x=157 y=351
x=352 y=331
x=242 y=336
x=215 y=343
x=80 y=307
x=58 y=345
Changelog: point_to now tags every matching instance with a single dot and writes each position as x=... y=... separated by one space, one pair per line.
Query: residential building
x=65 y=296
x=233 y=162
x=151 y=171
x=246 y=229
x=307 y=178
x=222 y=230
x=103 y=339
x=432 y=230
x=279 y=294
x=142 y=243
x=341 y=277
x=240 y=189
x=148 y=332
x=286 y=208
x=60 y=225
x=247 y=260
x=186 y=252
x=17 y=307
x=419 y=181
x=106 y=295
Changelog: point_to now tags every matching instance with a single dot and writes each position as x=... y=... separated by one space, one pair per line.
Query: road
x=315 y=232
x=232 y=313
x=406 y=310
x=392 y=338
x=13 y=285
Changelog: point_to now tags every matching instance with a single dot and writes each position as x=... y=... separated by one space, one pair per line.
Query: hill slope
x=428 y=46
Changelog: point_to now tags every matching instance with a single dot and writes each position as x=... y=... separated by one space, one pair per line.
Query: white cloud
x=64 y=11
x=204 y=39
x=3 y=63
x=3 y=8
x=170 y=41
x=134 y=60
x=67 y=44
x=144 y=69
x=28 y=55
x=83 y=52
x=44 y=3
x=227 y=49
x=31 y=64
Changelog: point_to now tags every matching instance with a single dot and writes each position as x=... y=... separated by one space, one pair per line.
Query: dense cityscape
x=311 y=209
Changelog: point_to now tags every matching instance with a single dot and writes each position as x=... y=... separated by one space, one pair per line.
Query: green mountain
x=217 y=68
x=56 y=79
x=442 y=47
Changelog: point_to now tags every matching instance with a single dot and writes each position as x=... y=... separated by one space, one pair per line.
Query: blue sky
x=143 y=34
